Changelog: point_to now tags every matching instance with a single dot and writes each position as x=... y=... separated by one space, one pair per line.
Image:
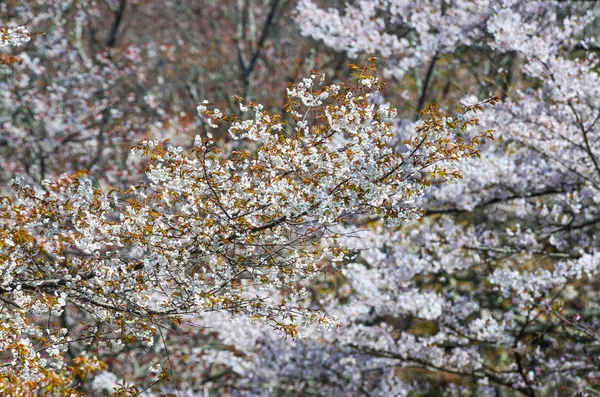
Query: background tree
x=494 y=290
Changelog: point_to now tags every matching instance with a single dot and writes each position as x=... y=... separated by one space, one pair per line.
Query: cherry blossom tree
x=78 y=96
x=494 y=289
x=209 y=230
x=310 y=245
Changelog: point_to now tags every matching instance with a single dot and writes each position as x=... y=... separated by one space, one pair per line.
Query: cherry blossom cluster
x=14 y=37
x=213 y=231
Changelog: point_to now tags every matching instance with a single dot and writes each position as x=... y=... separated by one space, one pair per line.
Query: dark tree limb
x=118 y=13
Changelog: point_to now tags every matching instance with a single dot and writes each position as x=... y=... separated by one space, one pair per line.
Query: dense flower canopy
x=214 y=231
x=159 y=235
